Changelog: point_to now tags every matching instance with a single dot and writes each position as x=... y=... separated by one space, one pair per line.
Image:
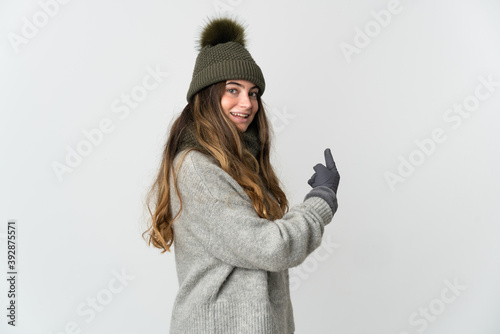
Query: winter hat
x=223 y=56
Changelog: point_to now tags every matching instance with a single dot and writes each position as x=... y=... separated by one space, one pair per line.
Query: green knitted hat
x=223 y=56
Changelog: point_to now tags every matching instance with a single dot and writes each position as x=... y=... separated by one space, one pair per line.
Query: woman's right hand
x=326 y=175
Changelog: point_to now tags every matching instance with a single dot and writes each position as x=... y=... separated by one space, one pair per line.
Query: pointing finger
x=330 y=164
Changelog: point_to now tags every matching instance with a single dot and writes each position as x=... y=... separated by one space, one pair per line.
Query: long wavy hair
x=221 y=139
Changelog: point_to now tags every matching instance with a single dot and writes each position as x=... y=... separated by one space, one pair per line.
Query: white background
x=389 y=252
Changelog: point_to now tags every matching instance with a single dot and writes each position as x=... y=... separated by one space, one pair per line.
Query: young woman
x=218 y=195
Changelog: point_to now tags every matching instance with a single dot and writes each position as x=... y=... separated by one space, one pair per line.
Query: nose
x=244 y=101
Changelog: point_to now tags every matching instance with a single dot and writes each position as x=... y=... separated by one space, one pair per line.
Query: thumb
x=319 y=167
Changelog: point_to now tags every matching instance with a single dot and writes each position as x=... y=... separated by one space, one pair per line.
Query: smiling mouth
x=240 y=115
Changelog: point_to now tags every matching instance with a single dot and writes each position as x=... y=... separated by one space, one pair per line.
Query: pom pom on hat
x=222 y=56
x=221 y=30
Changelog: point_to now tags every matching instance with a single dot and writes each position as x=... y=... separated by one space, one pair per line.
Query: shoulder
x=198 y=170
x=195 y=161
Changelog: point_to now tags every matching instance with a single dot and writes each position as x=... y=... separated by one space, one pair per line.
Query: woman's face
x=239 y=102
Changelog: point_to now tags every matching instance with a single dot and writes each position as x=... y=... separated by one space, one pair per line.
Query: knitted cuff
x=325 y=193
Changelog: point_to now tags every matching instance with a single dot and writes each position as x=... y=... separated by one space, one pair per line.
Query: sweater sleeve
x=222 y=218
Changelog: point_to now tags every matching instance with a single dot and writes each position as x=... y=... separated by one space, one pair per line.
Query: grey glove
x=325 y=182
x=326 y=176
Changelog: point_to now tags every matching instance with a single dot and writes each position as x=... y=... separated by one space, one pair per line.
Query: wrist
x=325 y=193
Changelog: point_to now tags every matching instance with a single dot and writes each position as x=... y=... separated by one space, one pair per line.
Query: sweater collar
x=250 y=139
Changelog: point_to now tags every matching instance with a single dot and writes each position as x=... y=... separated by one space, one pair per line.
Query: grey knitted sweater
x=232 y=265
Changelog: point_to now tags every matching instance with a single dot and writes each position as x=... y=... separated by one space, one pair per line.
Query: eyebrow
x=238 y=84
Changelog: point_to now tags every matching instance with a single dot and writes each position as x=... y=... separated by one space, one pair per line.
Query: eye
x=232 y=90
x=254 y=95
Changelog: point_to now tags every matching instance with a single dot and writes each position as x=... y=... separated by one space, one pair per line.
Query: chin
x=241 y=129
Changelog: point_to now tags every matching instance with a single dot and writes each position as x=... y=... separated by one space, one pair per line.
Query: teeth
x=241 y=115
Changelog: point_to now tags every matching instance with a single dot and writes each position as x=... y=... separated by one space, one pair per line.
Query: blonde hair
x=221 y=139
